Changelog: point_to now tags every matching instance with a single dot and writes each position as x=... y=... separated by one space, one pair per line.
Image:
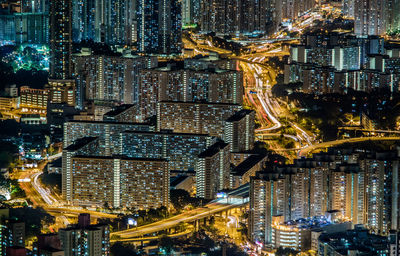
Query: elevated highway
x=307 y=150
x=236 y=198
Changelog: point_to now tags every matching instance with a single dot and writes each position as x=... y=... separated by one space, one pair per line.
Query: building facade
x=370 y=17
x=159 y=26
x=180 y=149
x=359 y=185
x=33 y=100
x=60 y=39
x=109 y=78
x=91 y=240
x=212 y=170
x=185 y=85
x=108 y=133
x=239 y=130
x=198 y=118
x=119 y=182
x=32 y=28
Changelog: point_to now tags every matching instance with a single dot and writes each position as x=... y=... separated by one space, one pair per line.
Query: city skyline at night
x=200 y=127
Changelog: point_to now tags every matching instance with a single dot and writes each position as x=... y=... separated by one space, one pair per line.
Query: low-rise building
x=357 y=241
x=33 y=101
x=301 y=234
x=9 y=103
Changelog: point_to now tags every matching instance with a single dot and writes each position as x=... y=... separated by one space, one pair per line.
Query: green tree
x=179 y=198
x=166 y=244
x=34 y=218
x=286 y=252
x=119 y=248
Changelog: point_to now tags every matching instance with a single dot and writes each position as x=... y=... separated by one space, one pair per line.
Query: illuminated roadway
x=151 y=238
x=39 y=196
x=305 y=151
x=186 y=217
x=53 y=157
x=264 y=78
x=268 y=106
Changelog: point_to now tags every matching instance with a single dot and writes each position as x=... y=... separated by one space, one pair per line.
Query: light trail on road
x=45 y=193
x=277 y=124
x=215 y=206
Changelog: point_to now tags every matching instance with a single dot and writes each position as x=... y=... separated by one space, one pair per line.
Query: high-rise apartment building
x=268 y=198
x=110 y=21
x=103 y=21
x=253 y=16
x=141 y=183
x=299 y=203
x=327 y=63
x=291 y=9
x=185 y=85
x=249 y=16
x=180 y=149
x=83 y=20
x=213 y=60
x=239 y=130
x=199 y=118
x=125 y=113
x=83 y=146
x=382 y=183
x=61 y=85
x=108 y=133
x=159 y=26
x=348 y=8
x=191 y=12
x=24 y=28
x=12 y=232
x=7 y=28
x=60 y=39
x=359 y=186
x=109 y=78
x=90 y=240
x=91 y=178
x=393 y=10
x=247 y=168
x=212 y=170
x=34 y=6
x=346 y=187
x=32 y=28
x=370 y=17
x=234 y=17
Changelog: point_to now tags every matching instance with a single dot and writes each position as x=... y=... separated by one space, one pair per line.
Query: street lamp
x=132 y=222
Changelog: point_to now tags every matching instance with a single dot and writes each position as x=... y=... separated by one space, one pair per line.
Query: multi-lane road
x=186 y=217
x=307 y=150
x=40 y=196
x=260 y=79
x=259 y=93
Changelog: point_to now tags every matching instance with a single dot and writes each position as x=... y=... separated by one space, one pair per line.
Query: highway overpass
x=305 y=151
x=236 y=198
